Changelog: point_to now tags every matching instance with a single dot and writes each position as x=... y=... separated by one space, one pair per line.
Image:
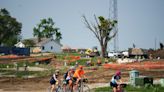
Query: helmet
x=72 y=68
x=81 y=67
x=118 y=72
x=56 y=71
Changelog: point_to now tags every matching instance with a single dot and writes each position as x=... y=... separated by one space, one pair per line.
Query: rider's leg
x=64 y=85
x=114 y=89
x=119 y=88
x=76 y=84
x=78 y=79
x=70 y=84
x=52 y=87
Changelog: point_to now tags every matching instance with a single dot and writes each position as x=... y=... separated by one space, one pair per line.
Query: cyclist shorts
x=113 y=85
x=74 y=79
x=52 y=81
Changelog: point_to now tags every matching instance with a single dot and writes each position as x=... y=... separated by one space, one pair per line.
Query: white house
x=20 y=44
x=50 y=45
x=46 y=45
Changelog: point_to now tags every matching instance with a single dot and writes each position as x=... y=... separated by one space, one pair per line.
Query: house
x=20 y=44
x=46 y=45
x=66 y=48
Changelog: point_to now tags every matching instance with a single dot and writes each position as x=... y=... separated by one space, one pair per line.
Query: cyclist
x=79 y=74
x=116 y=81
x=70 y=76
x=54 y=80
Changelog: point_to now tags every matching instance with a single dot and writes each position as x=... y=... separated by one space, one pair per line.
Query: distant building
x=66 y=48
x=20 y=44
x=46 y=45
x=137 y=52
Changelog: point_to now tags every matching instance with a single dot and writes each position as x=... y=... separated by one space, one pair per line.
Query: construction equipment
x=92 y=52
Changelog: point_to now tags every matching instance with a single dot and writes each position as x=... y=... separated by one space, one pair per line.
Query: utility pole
x=113 y=15
x=155 y=43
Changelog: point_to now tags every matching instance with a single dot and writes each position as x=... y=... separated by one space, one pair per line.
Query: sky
x=139 y=21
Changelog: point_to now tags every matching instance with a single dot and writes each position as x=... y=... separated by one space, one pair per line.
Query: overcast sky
x=139 y=21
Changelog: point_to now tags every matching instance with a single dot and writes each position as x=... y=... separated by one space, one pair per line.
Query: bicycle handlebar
x=123 y=85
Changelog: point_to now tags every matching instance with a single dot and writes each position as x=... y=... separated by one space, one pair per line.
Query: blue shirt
x=115 y=78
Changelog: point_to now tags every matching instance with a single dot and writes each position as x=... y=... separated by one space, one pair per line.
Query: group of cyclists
x=73 y=76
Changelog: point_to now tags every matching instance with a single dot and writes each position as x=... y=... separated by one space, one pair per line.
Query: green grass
x=21 y=74
x=5 y=65
x=20 y=64
x=155 y=88
x=80 y=62
x=93 y=61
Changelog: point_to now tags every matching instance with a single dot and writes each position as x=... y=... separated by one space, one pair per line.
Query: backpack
x=65 y=75
x=52 y=80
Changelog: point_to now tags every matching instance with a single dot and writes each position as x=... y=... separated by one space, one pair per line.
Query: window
x=42 y=47
x=51 y=47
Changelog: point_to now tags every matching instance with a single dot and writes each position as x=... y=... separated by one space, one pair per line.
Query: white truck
x=114 y=54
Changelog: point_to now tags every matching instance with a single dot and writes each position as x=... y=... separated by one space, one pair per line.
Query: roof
x=136 y=51
x=66 y=47
x=44 y=41
x=19 y=44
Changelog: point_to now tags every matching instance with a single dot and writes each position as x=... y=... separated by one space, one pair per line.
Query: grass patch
x=154 y=88
x=6 y=65
x=21 y=74
x=83 y=61
x=19 y=64
x=80 y=62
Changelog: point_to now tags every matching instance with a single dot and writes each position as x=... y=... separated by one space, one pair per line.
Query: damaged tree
x=102 y=29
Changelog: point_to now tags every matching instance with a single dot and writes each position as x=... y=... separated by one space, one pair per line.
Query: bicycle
x=82 y=87
x=58 y=88
x=65 y=86
x=121 y=87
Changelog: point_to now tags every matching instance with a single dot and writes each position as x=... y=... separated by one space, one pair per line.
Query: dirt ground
x=41 y=84
x=95 y=75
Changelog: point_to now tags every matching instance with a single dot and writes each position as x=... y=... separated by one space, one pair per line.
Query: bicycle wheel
x=67 y=89
x=85 y=88
x=49 y=89
x=59 y=89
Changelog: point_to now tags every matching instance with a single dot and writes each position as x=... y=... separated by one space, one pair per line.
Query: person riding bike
x=116 y=81
x=69 y=77
x=54 y=80
x=79 y=74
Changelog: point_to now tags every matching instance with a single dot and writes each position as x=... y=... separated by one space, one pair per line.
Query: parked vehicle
x=115 y=55
x=92 y=52
x=125 y=53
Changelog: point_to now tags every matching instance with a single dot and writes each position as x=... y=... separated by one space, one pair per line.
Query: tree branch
x=90 y=27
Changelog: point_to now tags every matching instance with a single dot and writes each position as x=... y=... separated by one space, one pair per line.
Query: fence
x=15 y=50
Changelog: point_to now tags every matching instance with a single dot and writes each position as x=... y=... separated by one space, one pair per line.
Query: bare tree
x=102 y=29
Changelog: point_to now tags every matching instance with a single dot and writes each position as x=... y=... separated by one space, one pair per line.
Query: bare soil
x=94 y=74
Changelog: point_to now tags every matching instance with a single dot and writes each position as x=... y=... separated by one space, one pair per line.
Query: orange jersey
x=78 y=72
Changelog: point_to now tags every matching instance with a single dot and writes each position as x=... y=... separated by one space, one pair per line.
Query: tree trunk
x=103 y=50
x=39 y=39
